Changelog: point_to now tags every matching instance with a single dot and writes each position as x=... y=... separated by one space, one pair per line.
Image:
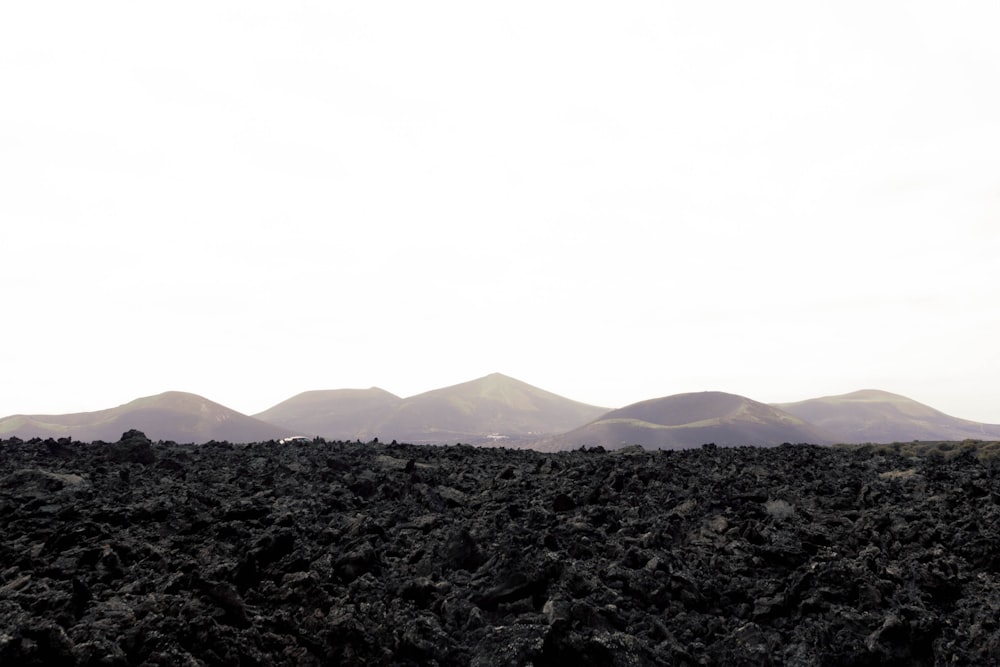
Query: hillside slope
x=495 y=409
x=335 y=414
x=172 y=415
x=689 y=420
x=880 y=417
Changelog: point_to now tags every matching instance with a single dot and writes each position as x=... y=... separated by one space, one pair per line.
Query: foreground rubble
x=307 y=554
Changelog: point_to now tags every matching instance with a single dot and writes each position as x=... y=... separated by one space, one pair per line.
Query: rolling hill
x=495 y=409
x=881 y=417
x=173 y=415
x=683 y=421
x=336 y=414
x=499 y=410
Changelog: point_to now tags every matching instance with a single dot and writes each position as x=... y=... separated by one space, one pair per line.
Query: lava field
x=135 y=553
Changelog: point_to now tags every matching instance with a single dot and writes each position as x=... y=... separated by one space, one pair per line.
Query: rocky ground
x=139 y=553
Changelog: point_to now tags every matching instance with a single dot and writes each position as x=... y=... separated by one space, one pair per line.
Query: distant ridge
x=495 y=409
x=172 y=415
x=335 y=414
x=500 y=410
x=689 y=420
x=871 y=415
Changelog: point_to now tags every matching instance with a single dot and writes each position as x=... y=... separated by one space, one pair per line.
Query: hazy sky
x=611 y=201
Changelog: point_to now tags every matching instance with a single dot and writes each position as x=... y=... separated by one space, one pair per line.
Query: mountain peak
x=872 y=395
x=496 y=380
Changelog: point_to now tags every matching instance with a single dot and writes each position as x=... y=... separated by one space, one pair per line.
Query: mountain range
x=493 y=409
x=173 y=415
x=500 y=410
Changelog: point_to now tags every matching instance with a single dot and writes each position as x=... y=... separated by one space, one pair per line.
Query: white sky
x=611 y=201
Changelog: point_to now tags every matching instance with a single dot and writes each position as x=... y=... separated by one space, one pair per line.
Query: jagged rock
x=133 y=447
x=331 y=553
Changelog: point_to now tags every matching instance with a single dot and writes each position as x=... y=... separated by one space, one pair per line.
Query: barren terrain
x=328 y=553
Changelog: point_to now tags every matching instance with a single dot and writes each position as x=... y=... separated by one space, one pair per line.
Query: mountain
x=689 y=420
x=878 y=416
x=495 y=409
x=336 y=414
x=173 y=415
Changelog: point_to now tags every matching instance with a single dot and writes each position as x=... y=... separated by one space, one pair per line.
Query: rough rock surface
x=160 y=554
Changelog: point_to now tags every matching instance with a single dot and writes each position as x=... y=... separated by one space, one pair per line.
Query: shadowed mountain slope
x=494 y=409
x=335 y=414
x=689 y=420
x=881 y=417
x=173 y=415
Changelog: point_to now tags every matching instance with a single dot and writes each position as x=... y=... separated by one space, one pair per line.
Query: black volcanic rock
x=313 y=554
x=133 y=447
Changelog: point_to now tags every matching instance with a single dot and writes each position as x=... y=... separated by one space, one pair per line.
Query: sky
x=610 y=201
